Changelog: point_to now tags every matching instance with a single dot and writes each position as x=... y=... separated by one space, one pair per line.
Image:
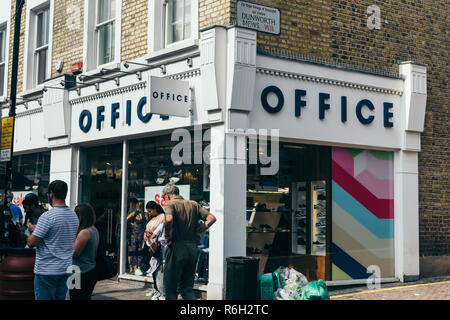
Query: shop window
x=102 y=33
x=289 y=214
x=30 y=174
x=39 y=35
x=3 y=71
x=150 y=168
x=173 y=24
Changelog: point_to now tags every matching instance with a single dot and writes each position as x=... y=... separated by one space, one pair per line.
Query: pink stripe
x=381 y=208
x=344 y=159
x=381 y=169
x=382 y=189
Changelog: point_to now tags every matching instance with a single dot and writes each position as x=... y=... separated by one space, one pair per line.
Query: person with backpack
x=85 y=252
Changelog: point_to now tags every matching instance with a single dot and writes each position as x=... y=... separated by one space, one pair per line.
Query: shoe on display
x=177 y=173
x=138 y=272
x=321 y=234
x=159 y=180
x=320 y=225
x=319 y=188
x=161 y=297
x=318 y=243
x=321 y=214
x=302 y=206
x=321 y=197
x=319 y=206
x=174 y=179
x=161 y=172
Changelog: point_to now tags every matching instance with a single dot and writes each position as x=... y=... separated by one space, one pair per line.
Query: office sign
x=6 y=139
x=258 y=17
x=169 y=97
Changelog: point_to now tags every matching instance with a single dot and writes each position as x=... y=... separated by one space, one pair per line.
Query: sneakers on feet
x=150 y=293
x=156 y=296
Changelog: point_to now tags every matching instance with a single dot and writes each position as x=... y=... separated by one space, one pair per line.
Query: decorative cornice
x=185 y=75
x=109 y=93
x=29 y=112
x=297 y=76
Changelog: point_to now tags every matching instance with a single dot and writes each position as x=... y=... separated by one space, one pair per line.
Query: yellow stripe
x=387 y=289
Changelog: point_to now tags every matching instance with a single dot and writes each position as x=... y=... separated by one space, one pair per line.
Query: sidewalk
x=423 y=289
x=124 y=290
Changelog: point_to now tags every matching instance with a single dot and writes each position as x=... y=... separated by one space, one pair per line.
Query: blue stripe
x=347 y=264
x=381 y=228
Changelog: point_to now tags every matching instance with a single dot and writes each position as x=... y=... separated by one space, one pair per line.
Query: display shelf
x=318 y=217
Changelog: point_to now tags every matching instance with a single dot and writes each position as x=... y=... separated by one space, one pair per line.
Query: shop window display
x=31 y=174
x=288 y=213
x=150 y=168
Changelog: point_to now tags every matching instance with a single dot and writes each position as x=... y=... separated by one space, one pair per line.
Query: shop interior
x=289 y=214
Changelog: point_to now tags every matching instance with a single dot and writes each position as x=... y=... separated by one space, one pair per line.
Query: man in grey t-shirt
x=54 y=238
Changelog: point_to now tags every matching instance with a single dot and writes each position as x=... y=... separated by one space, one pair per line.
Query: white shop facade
x=344 y=200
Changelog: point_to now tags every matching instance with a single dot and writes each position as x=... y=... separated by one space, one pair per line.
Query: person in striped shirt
x=54 y=239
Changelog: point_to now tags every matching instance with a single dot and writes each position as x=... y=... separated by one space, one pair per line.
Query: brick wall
x=134 y=29
x=304 y=28
x=11 y=41
x=213 y=12
x=68 y=25
x=410 y=30
x=337 y=31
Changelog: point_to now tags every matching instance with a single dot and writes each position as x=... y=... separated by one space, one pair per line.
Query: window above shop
x=38 y=43
x=3 y=59
x=102 y=32
x=173 y=25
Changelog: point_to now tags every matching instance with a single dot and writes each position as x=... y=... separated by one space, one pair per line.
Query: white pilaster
x=406 y=173
x=228 y=204
x=64 y=166
x=406 y=220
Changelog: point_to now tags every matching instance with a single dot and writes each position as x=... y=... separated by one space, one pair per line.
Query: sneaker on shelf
x=318 y=243
x=319 y=188
x=321 y=234
x=161 y=297
x=319 y=206
x=320 y=225
x=321 y=214
x=156 y=295
x=138 y=272
x=321 y=197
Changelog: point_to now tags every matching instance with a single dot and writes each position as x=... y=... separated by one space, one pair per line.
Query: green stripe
x=382 y=155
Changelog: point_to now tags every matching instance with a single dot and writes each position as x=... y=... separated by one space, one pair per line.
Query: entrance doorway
x=100 y=185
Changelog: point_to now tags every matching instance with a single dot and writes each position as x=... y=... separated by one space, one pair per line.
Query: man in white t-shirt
x=54 y=238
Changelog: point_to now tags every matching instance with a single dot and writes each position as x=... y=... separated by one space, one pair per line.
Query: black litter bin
x=242 y=278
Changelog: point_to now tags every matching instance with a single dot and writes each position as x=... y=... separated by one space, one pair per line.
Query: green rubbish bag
x=316 y=290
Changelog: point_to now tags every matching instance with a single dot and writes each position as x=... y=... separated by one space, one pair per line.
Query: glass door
x=100 y=183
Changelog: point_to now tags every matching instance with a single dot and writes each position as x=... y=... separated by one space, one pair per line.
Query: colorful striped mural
x=363 y=213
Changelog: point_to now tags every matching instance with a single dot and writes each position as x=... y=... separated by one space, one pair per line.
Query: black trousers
x=179 y=270
x=88 y=281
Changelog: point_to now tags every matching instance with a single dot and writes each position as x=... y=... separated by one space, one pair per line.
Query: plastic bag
x=316 y=290
x=291 y=284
